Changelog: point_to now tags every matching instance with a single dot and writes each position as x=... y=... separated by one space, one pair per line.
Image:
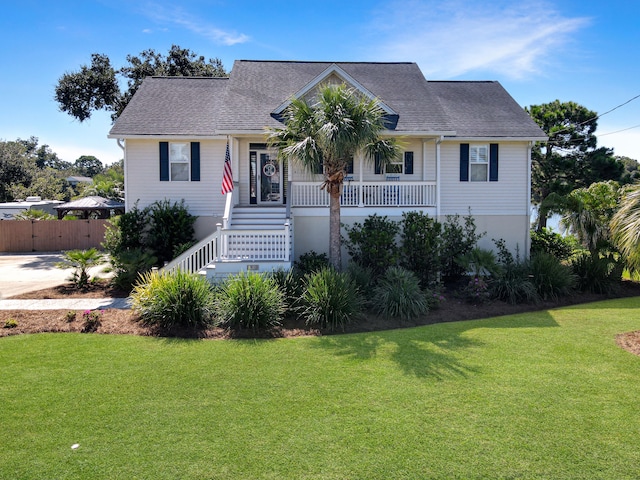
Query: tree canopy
x=97 y=87
x=570 y=158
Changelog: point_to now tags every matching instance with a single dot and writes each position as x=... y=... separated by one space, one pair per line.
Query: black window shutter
x=350 y=166
x=493 y=162
x=464 y=162
x=195 y=161
x=318 y=169
x=408 y=163
x=377 y=164
x=164 y=161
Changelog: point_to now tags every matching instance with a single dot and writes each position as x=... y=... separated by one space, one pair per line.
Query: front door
x=270 y=179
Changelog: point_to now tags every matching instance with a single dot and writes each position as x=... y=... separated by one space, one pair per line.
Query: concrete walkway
x=65 y=304
x=21 y=273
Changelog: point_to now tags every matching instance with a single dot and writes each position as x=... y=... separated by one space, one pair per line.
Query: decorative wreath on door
x=269 y=169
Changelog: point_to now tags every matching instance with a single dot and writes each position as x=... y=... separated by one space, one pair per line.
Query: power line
x=617 y=131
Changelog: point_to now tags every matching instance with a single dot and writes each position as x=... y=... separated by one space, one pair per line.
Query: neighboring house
x=74 y=180
x=467 y=148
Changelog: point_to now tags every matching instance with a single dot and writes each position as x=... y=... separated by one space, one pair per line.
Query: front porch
x=261 y=237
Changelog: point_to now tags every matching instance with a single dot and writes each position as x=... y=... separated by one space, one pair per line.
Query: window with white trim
x=179 y=161
x=478 y=163
x=396 y=166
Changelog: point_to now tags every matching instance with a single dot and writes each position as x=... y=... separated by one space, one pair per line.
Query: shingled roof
x=244 y=102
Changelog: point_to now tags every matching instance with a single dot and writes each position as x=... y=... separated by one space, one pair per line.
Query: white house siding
x=500 y=208
x=202 y=198
x=507 y=196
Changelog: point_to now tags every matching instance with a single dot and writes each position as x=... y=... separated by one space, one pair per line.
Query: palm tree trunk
x=335 y=255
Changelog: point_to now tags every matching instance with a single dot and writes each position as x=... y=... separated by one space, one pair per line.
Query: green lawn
x=546 y=395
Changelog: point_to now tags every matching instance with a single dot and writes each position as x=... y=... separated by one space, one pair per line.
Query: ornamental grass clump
x=171 y=300
x=331 y=299
x=250 y=300
x=398 y=294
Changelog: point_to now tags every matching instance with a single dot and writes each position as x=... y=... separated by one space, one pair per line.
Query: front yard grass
x=537 y=395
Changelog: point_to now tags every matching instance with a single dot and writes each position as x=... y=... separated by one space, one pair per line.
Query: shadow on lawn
x=436 y=351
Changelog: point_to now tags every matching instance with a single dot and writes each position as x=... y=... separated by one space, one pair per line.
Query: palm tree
x=324 y=134
x=625 y=227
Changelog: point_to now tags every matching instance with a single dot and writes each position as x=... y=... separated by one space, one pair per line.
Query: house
x=467 y=148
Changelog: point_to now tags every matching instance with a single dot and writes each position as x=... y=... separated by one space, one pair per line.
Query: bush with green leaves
x=128 y=265
x=250 y=300
x=363 y=278
x=331 y=299
x=548 y=241
x=173 y=300
x=311 y=262
x=421 y=247
x=398 y=294
x=597 y=274
x=143 y=238
x=457 y=240
x=551 y=277
x=34 y=214
x=170 y=226
x=81 y=261
x=290 y=283
x=514 y=284
x=372 y=244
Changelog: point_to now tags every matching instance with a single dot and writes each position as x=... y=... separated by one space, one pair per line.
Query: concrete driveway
x=20 y=273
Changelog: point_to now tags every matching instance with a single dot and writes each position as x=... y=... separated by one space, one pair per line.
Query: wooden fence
x=50 y=235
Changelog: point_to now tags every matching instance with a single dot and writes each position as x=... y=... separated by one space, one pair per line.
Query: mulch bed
x=126 y=322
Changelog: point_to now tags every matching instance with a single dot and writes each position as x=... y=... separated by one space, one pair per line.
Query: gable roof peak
x=333 y=69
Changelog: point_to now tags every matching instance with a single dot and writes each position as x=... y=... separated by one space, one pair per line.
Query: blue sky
x=585 y=51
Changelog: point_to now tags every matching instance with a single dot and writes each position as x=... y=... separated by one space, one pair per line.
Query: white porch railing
x=226 y=245
x=367 y=194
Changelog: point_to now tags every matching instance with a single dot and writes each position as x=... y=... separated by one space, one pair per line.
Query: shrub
x=311 y=262
x=10 y=323
x=331 y=299
x=250 y=300
x=421 y=246
x=398 y=294
x=457 y=240
x=479 y=262
x=34 y=214
x=372 y=244
x=170 y=226
x=290 y=284
x=513 y=284
x=551 y=278
x=596 y=274
x=70 y=316
x=80 y=261
x=172 y=300
x=129 y=265
x=363 y=278
x=476 y=290
x=547 y=241
x=91 y=320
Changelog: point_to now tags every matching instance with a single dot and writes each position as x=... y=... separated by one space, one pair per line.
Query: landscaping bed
x=115 y=321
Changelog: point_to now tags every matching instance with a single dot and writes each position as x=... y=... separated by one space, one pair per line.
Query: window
x=396 y=166
x=179 y=160
x=478 y=163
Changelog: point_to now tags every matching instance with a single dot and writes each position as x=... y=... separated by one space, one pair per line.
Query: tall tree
x=557 y=164
x=328 y=133
x=88 y=166
x=14 y=168
x=95 y=87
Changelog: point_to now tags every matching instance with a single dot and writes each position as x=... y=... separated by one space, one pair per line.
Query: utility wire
x=617 y=131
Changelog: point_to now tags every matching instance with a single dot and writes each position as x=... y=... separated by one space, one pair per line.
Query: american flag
x=227 y=177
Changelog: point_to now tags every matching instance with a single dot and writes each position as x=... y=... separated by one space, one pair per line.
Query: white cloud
x=450 y=39
x=177 y=16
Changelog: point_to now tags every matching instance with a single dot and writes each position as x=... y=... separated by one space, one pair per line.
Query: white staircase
x=252 y=238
